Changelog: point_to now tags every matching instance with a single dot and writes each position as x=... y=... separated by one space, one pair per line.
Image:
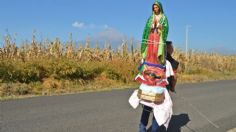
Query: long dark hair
x=153 y=6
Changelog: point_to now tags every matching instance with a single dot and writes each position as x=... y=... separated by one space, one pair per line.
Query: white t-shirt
x=169 y=69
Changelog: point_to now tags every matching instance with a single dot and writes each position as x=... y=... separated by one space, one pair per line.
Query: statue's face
x=156 y=9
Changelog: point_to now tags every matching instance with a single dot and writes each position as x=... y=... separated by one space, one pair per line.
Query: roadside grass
x=56 y=68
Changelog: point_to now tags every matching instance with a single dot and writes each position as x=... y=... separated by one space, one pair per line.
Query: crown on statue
x=156 y=1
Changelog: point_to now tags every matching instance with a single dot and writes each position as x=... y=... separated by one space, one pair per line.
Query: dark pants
x=144 y=120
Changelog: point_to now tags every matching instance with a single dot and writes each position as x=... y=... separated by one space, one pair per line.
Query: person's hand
x=142 y=61
x=159 y=26
x=155 y=23
x=141 y=64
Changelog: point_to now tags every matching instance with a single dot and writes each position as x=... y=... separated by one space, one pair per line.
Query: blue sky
x=212 y=21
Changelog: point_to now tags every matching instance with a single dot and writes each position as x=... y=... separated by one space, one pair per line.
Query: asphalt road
x=203 y=107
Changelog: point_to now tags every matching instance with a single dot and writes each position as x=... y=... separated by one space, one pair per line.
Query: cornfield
x=52 y=67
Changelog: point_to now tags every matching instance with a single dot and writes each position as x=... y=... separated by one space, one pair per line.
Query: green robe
x=163 y=35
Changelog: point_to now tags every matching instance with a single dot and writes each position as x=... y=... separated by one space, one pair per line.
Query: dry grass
x=47 y=68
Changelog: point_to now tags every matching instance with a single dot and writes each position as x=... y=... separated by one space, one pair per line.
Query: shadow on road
x=176 y=122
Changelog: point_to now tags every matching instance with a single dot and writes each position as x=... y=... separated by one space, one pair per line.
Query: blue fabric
x=153 y=89
x=144 y=120
x=155 y=125
x=155 y=65
x=140 y=68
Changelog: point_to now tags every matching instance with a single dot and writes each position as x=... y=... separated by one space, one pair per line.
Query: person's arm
x=174 y=81
x=175 y=65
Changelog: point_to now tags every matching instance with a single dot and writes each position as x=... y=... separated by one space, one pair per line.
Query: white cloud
x=78 y=24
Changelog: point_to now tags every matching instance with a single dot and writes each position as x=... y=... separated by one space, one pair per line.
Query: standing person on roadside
x=174 y=63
